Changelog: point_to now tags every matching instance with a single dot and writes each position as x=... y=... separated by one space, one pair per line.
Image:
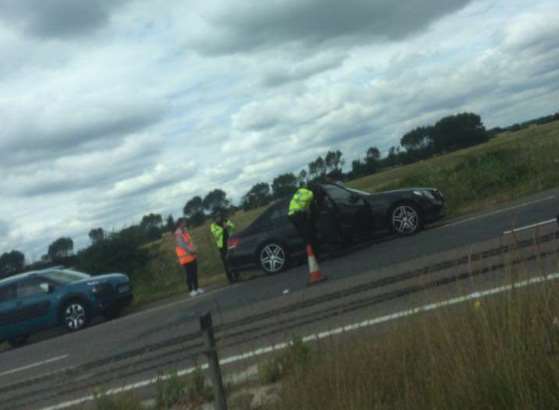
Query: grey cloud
x=242 y=27
x=68 y=130
x=58 y=18
x=4 y=228
x=283 y=74
x=103 y=176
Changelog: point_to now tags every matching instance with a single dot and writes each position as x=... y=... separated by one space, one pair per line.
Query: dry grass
x=500 y=354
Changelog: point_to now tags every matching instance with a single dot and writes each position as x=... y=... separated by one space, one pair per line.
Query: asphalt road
x=258 y=312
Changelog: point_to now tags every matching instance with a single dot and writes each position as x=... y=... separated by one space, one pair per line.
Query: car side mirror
x=46 y=287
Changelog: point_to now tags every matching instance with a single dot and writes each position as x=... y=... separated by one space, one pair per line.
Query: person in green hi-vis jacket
x=221 y=229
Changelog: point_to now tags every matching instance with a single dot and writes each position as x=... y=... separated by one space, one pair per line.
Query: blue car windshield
x=64 y=276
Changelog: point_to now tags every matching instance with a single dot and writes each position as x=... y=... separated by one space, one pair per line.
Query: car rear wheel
x=273 y=258
x=405 y=219
x=75 y=315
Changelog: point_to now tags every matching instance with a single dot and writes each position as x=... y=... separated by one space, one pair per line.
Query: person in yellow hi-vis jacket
x=221 y=229
x=302 y=209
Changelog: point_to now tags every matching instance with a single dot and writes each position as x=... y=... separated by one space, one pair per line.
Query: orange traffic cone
x=314 y=271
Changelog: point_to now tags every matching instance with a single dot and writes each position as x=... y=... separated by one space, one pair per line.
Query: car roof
x=15 y=278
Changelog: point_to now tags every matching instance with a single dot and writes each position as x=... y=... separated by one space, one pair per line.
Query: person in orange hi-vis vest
x=186 y=253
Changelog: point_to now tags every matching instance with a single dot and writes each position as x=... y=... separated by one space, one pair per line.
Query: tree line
x=124 y=250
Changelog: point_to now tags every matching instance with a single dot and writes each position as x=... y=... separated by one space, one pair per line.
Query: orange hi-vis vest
x=185 y=256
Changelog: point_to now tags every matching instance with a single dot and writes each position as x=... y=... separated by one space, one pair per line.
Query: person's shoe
x=199 y=291
x=193 y=293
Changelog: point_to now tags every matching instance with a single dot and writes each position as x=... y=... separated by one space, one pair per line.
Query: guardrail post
x=213 y=361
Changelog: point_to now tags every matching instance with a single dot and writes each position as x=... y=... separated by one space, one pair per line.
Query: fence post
x=213 y=361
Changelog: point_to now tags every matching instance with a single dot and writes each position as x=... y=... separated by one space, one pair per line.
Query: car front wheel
x=75 y=315
x=273 y=258
x=405 y=219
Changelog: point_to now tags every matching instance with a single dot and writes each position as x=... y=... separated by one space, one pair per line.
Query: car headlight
x=426 y=194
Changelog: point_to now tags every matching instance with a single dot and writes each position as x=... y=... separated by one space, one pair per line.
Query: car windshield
x=64 y=276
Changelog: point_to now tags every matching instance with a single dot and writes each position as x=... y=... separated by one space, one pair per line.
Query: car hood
x=107 y=277
x=402 y=191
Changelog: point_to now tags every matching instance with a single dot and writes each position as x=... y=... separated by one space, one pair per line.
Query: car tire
x=18 y=341
x=75 y=315
x=272 y=257
x=405 y=219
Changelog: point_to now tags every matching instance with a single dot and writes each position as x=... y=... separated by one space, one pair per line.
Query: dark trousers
x=231 y=277
x=305 y=227
x=191 y=270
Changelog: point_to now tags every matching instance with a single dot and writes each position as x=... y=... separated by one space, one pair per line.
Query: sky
x=113 y=109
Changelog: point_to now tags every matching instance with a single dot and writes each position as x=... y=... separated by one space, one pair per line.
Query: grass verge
x=501 y=353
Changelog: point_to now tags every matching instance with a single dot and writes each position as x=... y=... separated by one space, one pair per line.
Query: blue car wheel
x=75 y=315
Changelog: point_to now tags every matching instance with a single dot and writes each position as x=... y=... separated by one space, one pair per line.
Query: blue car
x=34 y=301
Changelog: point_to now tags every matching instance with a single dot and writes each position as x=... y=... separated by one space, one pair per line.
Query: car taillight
x=233 y=243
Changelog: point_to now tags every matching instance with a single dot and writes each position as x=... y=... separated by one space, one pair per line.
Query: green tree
x=372 y=159
x=333 y=161
x=152 y=225
x=358 y=168
x=170 y=223
x=317 y=168
x=96 y=235
x=418 y=139
x=11 y=263
x=302 y=178
x=284 y=185
x=119 y=252
x=258 y=195
x=61 y=248
x=194 y=211
x=458 y=131
x=216 y=201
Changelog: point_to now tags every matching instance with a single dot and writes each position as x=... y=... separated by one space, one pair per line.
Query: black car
x=345 y=216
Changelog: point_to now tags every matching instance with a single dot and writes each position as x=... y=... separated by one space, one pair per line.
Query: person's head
x=220 y=218
x=181 y=223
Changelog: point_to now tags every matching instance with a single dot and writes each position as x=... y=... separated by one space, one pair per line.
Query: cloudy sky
x=112 y=109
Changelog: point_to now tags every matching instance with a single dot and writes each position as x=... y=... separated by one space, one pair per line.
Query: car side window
x=339 y=195
x=7 y=293
x=29 y=287
x=279 y=214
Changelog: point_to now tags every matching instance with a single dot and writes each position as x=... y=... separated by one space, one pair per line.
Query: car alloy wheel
x=272 y=258
x=405 y=219
x=75 y=316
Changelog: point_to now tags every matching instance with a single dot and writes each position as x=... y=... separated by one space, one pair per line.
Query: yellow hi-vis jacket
x=301 y=201
x=217 y=232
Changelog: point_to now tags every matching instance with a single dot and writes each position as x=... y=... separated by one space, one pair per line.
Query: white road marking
x=500 y=211
x=30 y=366
x=523 y=228
x=322 y=335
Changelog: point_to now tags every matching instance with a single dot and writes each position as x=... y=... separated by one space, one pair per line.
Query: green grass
x=508 y=167
x=499 y=354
